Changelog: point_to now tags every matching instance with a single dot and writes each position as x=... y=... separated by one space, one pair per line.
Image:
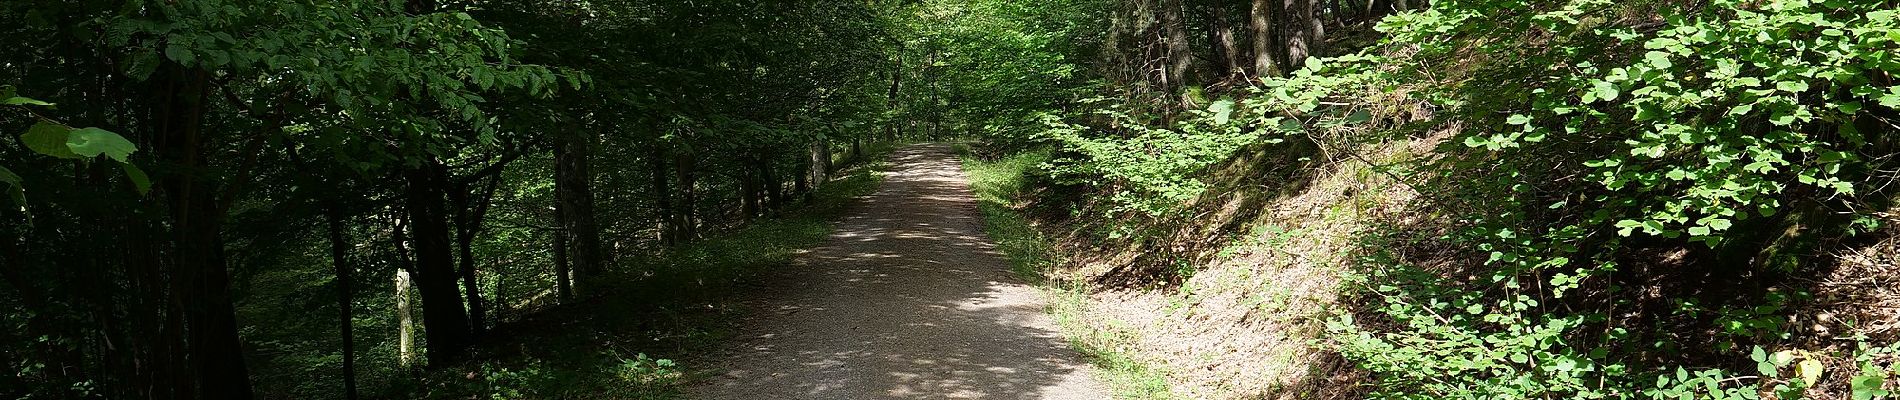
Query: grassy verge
x=998 y=183
x=675 y=305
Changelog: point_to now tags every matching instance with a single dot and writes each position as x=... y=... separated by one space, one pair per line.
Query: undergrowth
x=666 y=311
x=1626 y=202
x=997 y=183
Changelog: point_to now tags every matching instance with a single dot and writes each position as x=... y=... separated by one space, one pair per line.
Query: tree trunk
x=345 y=276
x=1316 y=28
x=573 y=188
x=749 y=188
x=820 y=162
x=685 y=216
x=500 y=301
x=201 y=283
x=1225 y=42
x=466 y=227
x=892 y=129
x=1266 y=51
x=1338 y=11
x=663 y=195
x=1302 y=30
x=801 y=177
x=563 y=286
x=774 y=187
x=801 y=183
x=444 y=320
x=1180 y=56
x=405 y=320
x=405 y=287
x=936 y=94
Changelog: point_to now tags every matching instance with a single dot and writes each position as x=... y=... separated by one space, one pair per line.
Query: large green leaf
x=179 y=53
x=1605 y=91
x=50 y=139
x=15 y=189
x=140 y=181
x=22 y=101
x=1223 y=111
x=93 y=142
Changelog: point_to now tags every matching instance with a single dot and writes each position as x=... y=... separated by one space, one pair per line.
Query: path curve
x=908 y=299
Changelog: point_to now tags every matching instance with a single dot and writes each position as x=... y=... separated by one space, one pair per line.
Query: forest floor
x=907 y=299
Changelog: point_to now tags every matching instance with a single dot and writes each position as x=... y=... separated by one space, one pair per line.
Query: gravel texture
x=908 y=299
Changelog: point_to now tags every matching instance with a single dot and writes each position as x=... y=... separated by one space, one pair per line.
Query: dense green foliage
x=1587 y=140
x=1702 y=128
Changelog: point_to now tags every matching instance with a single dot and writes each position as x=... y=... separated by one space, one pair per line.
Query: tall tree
x=444 y=320
x=1302 y=29
x=201 y=282
x=573 y=188
x=1267 y=53
x=1226 y=41
x=1179 y=58
x=345 y=293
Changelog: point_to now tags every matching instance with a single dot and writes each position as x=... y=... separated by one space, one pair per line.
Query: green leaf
x=49 y=139
x=1359 y=116
x=22 y=101
x=1518 y=119
x=143 y=64
x=16 y=190
x=1795 y=86
x=93 y=142
x=1868 y=386
x=139 y=180
x=179 y=53
x=1659 y=59
x=1849 y=107
x=1605 y=90
x=1627 y=227
x=1223 y=111
x=1648 y=112
x=1291 y=125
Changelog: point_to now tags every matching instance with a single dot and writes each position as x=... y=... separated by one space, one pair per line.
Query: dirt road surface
x=908 y=299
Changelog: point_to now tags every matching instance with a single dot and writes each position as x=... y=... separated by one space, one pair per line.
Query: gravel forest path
x=908 y=299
